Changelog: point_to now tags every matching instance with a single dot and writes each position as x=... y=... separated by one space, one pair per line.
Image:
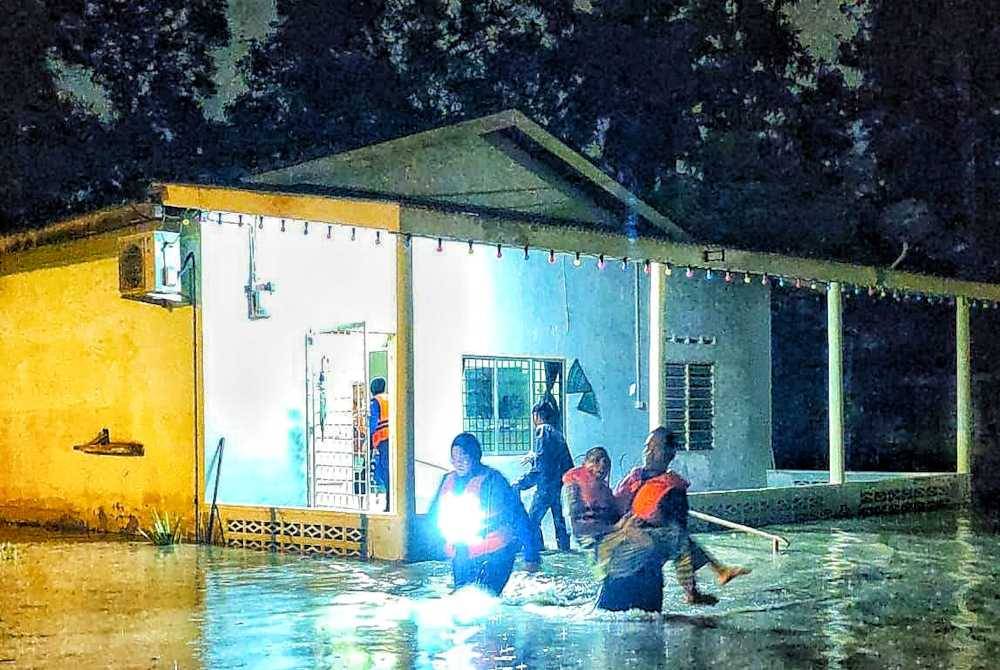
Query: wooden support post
x=404 y=486
x=963 y=386
x=835 y=356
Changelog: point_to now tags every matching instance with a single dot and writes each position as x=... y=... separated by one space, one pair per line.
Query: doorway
x=340 y=364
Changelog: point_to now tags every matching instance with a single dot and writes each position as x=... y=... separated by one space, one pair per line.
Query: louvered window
x=689 y=394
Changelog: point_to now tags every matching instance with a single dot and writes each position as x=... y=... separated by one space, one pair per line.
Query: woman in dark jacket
x=481 y=520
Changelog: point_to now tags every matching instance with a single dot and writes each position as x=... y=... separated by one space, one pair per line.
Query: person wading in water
x=481 y=520
x=653 y=531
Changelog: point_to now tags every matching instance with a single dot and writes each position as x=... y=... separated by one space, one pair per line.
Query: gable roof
x=503 y=162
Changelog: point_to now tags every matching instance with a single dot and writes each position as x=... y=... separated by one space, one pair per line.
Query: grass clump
x=8 y=551
x=164 y=532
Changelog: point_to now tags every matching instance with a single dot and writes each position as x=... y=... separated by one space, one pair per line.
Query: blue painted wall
x=478 y=304
x=738 y=317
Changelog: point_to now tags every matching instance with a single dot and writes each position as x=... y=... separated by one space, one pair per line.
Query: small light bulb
x=552 y=256
x=728 y=277
x=378 y=238
x=668 y=269
x=440 y=246
x=689 y=273
x=763 y=280
x=645 y=267
x=747 y=278
x=625 y=264
x=305 y=228
x=600 y=262
x=576 y=260
x=329 y=232
x=471 y=250
x=499 y=252
x=282 y=225
x=525 y=252
x=708 y=274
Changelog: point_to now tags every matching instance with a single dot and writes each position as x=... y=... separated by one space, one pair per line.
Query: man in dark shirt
x=549 y=460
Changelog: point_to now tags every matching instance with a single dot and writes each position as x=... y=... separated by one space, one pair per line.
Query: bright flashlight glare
x=460 y=518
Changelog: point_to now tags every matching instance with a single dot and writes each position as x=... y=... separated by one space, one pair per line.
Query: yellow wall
x=74 y=358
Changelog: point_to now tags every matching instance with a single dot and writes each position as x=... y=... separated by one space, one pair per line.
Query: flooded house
x=221 y=341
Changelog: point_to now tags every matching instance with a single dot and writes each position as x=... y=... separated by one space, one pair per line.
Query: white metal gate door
x=337 y=417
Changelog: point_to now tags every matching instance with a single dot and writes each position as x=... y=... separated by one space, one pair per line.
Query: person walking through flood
x=592 y=508
x=653 y=531
x=549 y=460
x=481 y=520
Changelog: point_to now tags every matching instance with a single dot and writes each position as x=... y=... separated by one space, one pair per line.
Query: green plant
x=163 y=532
x=8 y=551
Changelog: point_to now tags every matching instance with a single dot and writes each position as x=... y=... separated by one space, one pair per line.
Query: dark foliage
x=929 y=106
x=49 y=145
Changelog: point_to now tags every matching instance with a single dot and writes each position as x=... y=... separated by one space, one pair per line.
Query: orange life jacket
x=646 y=503
x=594 y=493
x=381 y=433
x=493 y=538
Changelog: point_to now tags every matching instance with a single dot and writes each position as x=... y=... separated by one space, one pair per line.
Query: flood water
x=893 y=592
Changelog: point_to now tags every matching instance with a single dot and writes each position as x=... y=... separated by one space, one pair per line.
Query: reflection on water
x=893 y=592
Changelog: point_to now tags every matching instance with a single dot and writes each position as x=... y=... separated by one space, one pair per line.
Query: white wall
x=255 y=370
x=479 y=304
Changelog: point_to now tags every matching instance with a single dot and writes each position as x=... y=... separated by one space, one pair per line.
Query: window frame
x=685 y=435
x=533 y=362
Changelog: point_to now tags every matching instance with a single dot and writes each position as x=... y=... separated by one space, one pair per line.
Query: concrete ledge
x=797 y=504
x=777 y=478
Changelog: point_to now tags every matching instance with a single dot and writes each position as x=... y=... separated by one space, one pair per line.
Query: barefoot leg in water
x=727 y=573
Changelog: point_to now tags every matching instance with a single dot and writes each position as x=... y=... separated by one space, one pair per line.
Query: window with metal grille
x=498 y=394
x=689 y=394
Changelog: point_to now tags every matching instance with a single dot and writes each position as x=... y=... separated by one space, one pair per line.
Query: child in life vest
x=652 y=532
x=593 y=510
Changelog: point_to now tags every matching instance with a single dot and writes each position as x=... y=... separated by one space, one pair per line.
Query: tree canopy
x=714 y=111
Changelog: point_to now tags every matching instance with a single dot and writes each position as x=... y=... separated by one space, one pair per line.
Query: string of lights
x=728 y=275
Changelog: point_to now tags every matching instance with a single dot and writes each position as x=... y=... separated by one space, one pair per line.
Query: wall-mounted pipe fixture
x=639 y=402
x=253 y=289
x=190 y=259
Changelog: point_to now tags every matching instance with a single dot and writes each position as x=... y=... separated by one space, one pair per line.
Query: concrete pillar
x=963 y=386
x=657 y=314
x=835 y=355
x=390 y=537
